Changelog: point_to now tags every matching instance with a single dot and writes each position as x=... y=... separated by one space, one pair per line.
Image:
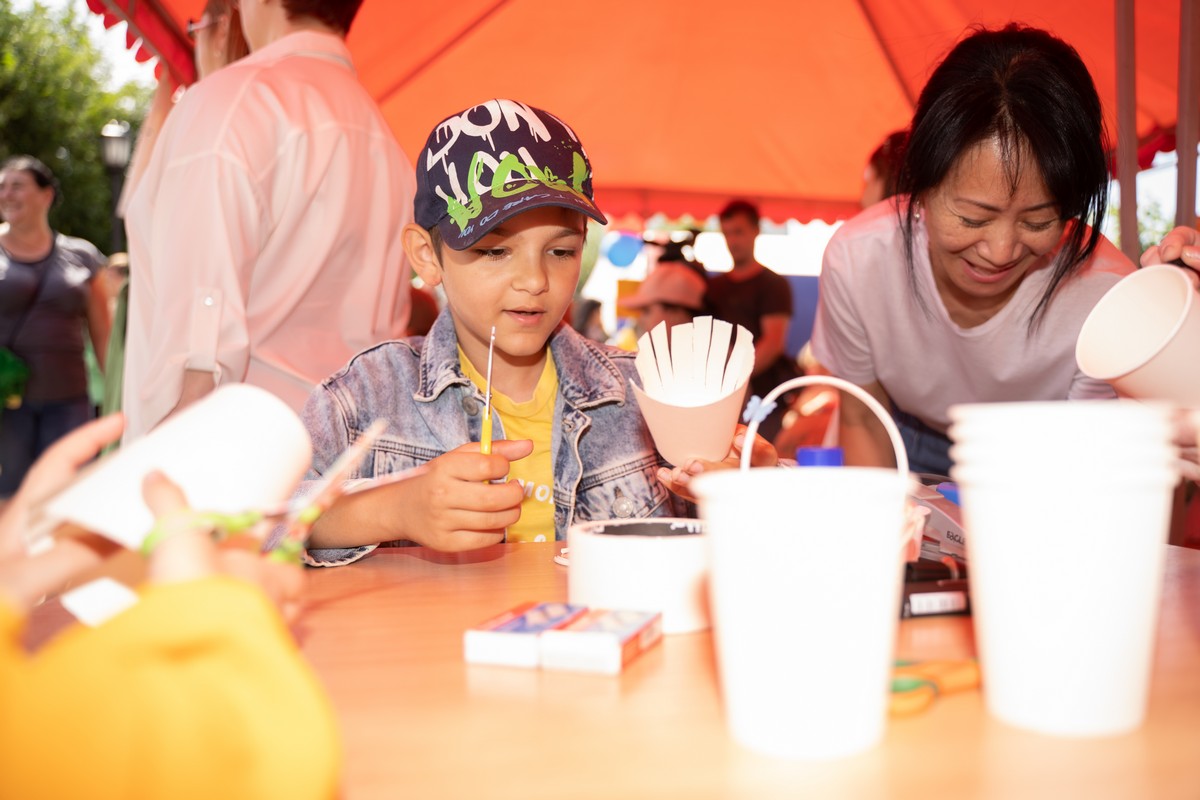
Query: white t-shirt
x=265 y=236
x=870 y=326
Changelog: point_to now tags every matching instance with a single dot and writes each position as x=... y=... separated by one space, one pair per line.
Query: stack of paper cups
x=1067 y=507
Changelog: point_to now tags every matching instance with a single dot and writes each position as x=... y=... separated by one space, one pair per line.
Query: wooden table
x=385 y=635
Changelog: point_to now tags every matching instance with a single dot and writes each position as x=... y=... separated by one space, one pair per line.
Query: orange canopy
x=683 y=104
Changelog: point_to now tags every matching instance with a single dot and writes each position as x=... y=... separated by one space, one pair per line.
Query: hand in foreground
x=1181 y=243
x=187 y=551
x=50 y=473
x=452 y=504
x=678 y=479
x=25 y=579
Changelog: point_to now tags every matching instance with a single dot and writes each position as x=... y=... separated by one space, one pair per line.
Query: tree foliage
x=53 y=103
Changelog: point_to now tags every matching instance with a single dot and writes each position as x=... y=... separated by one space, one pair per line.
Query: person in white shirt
x=973 y=283
x=266 y=228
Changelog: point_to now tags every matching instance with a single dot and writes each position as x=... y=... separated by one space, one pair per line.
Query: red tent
x=685 y=103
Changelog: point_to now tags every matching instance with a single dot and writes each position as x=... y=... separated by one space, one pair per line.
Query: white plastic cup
x=1143 y=337
x=804 y=641
x=1066 y=555
x=656 y=564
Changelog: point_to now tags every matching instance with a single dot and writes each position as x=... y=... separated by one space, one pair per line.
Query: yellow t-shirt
x=529 y=420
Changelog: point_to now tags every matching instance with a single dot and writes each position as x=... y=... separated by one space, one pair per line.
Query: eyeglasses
x=198 y=25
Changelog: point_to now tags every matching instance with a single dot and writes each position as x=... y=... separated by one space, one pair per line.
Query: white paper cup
x=1143 y=337
x=804 y=641
x=239 y=448
x=642 y=565
x=1066 y=555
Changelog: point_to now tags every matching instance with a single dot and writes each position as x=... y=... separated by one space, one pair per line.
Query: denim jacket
x=604 y=459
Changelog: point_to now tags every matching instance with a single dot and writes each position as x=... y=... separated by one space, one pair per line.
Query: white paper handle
x=809 y=380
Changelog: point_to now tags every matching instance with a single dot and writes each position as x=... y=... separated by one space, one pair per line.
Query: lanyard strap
x=37 y=290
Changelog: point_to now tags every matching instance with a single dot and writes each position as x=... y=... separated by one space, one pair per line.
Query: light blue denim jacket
x=604 y=459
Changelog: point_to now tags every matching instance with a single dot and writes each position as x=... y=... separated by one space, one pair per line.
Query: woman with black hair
x=974 y=286
x=48 y=296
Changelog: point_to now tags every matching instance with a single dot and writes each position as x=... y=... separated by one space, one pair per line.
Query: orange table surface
x=385 y=637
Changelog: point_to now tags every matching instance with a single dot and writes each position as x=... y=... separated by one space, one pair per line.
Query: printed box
x=601 y=641
x=511 y=638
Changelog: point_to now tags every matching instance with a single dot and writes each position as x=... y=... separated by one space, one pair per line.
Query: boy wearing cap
x=503 y=193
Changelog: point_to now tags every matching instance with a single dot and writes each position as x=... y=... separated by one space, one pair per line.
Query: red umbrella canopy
x=683 y=104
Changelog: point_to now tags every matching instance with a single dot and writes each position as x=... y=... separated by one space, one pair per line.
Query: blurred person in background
x=265 y=233
x=49 y=296
x=672 y=293
x=586 y=319
x=217 y=41
x=756 y=298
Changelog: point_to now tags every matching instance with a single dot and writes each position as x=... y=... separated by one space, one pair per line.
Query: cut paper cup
x=681 y=433
x=1143 y=337
x=694 y=387
x=240 y=448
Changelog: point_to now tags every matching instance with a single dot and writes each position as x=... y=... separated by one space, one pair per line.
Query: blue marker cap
x=949 y=491
x=819 y=457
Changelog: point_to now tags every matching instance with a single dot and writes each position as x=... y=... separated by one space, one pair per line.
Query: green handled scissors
x=299 y=514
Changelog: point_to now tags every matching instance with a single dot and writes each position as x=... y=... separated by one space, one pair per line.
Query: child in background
x=503 y=196
x=197 y=691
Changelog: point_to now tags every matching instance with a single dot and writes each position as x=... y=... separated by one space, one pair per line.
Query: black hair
x=435 y=239
x=888 y=161
x=740 y=207
x=1032 y=92
x=337 y=14
x=583 y=309
x=42 y=175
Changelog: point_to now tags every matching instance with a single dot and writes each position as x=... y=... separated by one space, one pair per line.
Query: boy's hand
x=449 y=504
x=454 y=505
x=679 y=478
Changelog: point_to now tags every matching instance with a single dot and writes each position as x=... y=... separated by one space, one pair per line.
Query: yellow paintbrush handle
x=485 y=441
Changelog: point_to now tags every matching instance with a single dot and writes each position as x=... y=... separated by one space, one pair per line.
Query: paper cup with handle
x=805 y=651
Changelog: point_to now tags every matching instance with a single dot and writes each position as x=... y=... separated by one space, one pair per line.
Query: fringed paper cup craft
x=694 y=385
x=239 y=448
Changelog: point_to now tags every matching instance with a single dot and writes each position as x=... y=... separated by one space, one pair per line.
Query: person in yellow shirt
x=504 y=193
x=197 y=691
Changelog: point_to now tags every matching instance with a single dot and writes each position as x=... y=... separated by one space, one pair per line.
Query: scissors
x=916 y=684
x=298 y=514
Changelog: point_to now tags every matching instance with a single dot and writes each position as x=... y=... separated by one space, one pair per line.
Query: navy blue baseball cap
x=493 y=161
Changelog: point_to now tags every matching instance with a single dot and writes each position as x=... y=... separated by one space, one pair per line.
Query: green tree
x=53 y=103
